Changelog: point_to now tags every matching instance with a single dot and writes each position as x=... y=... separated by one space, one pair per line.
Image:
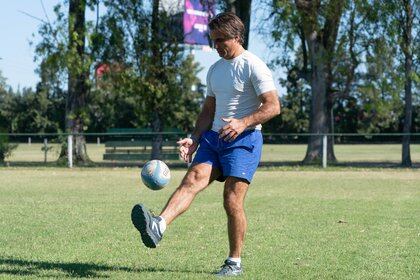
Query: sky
x=17 y=55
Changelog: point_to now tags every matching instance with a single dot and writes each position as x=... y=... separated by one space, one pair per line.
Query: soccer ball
x=155 y=174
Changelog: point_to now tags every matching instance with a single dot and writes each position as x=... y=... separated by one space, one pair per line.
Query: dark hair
x=229 y=24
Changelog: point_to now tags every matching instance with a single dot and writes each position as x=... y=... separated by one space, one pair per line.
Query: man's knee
x=234 y=195
x=194 y=181
x=232 y=204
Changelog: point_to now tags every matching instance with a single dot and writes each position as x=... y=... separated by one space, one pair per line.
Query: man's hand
x=232 y=129
x=187 y=147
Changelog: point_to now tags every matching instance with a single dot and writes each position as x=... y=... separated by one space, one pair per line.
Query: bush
x=5 y=147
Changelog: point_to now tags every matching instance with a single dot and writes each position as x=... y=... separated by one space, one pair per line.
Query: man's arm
x=270 y=108
x=205 y=118
x=204 y=122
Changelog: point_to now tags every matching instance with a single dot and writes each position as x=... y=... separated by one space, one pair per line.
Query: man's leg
x=233 y=201
x=198 y=177
x=233 y=197
x=151 y=228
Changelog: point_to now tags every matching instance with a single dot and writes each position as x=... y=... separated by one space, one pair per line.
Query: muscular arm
x=204 y=122
x=205 y=118
x=270 y=108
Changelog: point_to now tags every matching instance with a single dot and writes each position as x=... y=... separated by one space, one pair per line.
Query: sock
x=236 y=260
x=162 y=224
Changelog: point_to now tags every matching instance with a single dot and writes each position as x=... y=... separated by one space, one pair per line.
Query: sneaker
x=229 y=268
x=147 y=225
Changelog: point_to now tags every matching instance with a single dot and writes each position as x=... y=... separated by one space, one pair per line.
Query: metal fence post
x=70 y=150
x=324 y=151
x=45 y=149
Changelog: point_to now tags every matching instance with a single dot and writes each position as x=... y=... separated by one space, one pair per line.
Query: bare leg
x=234 y=195
x=198 y=177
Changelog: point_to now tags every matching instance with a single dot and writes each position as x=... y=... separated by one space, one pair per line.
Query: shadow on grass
x=72 y=269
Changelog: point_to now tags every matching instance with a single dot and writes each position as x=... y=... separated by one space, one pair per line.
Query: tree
x=6 y=104
x=63 y=52
x=339 y=50
x=32 y=112
x=397 y=21
x=320 y=36
x=156 y=75
x=405 y=23
x=242 y=8
x=153 y=69
x=311 y=28
x=51 y=54
x=5 y=147
x=294 y=117
x=379 y=87
x=78 y=78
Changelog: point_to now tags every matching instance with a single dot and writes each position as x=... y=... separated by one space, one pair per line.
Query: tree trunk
x=321 y=46
x=157 y=137
x=242 y=8
x=407 y=25
x=77 y=81
x=318 y=123
x=157 y=125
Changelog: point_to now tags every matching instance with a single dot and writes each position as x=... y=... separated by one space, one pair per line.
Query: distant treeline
x=351 y=67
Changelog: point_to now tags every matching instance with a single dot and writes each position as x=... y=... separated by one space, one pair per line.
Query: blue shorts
x=239 y=158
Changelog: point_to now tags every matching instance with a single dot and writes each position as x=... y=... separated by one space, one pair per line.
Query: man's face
x=226 y=47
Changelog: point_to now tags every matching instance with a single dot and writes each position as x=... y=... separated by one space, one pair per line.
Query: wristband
x=195 y=139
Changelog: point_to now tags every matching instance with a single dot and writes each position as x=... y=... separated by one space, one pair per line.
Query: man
x=241 y=95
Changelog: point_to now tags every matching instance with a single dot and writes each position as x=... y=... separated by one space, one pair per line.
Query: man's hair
x=228 y=24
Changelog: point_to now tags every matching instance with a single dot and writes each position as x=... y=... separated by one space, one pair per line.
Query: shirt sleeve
x=208 y=83
x=262 y=78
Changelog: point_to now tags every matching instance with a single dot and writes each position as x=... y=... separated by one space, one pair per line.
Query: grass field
x=294 y=153
x=308 y=224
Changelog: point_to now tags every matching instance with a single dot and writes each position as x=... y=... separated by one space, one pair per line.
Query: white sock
x=162 y=224
x=236 y=260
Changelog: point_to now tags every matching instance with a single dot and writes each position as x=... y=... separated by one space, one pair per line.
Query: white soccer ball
x=155 y=174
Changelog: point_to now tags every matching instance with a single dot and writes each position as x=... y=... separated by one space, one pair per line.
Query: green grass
x=62 y=223
x=344 y=153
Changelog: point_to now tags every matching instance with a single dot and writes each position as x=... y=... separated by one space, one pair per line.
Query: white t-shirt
x=236 y=84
